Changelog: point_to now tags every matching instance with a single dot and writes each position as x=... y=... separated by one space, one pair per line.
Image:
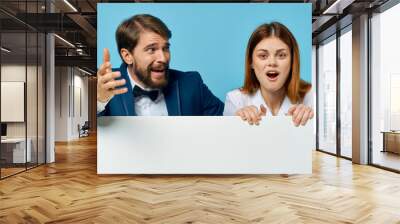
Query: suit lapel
x=171 y=95
x=127 y=98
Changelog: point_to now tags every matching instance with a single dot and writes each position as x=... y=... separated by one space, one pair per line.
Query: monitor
x=3 y=129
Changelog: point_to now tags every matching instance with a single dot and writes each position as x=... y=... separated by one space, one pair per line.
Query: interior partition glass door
x=385 y=89
x=327 y=95
x=346 y=92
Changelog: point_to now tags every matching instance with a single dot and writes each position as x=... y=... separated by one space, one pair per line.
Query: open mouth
x=158 y=72
x=272 y=75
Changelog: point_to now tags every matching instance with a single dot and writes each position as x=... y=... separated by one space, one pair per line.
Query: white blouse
x=236 y=100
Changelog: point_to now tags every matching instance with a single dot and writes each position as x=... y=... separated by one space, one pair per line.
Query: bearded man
x=144 y=85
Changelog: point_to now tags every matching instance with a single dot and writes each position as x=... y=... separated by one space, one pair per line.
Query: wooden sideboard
x=391 y=141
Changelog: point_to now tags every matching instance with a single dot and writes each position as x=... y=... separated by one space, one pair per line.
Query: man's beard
x=145 y=76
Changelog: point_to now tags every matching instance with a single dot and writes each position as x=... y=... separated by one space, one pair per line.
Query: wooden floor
x=387 y=159
x=70 y=191
x=5 y=172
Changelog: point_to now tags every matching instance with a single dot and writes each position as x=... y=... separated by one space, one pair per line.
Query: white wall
x=71 y=94
x=81 y=104
x=13 y=72
x=34 y=123
x=61 y=103
x=12 y=101
x=16 y=73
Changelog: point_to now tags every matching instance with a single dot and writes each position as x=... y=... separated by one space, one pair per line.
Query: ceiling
x=76 y=23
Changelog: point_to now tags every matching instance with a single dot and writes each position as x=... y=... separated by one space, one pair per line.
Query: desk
x=391 y=141
x=15 y=148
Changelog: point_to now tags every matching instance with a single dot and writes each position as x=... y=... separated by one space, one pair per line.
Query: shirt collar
x=258 y=100
x=133 y=83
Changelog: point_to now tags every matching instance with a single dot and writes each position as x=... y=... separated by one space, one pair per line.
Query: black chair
x=84 y=130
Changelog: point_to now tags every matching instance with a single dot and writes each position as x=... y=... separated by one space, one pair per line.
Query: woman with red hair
x=272 y=82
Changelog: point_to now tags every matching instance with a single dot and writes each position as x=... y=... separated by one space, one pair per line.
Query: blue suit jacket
x=185 y=95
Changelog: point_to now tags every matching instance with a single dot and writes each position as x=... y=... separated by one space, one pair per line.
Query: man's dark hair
x=128 y=32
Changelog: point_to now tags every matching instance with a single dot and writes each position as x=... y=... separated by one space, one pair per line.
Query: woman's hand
x=300 y=114
x=252 y=114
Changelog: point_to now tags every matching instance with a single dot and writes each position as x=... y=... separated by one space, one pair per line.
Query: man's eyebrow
x=150 y=45
x=155 y=45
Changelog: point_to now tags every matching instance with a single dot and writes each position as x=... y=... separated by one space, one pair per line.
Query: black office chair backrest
x=86 y=125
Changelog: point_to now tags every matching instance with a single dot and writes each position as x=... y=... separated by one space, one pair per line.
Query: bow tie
x=138 y=92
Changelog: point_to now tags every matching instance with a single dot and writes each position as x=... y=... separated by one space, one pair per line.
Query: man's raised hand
x=107 y=82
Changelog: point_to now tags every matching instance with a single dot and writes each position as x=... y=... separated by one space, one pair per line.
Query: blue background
x=210 y=38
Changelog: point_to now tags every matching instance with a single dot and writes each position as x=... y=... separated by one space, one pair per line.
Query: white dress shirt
x=144 y=106
x=236 y=100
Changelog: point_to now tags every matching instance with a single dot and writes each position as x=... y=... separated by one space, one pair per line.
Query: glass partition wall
x=345 y=61
x=22 y=77
x=327 y=95
x=385 y=90
x=334 y=71
x=334 y=82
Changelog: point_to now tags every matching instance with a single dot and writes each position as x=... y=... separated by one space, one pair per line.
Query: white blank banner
x=202 y=145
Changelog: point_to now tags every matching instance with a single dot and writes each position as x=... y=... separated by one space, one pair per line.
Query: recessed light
x=70 y=5
x=64 y=40
x=5 y=50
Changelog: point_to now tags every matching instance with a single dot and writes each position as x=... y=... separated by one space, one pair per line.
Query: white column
x=50 y=100
x=360 y=90
x=50 y=92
